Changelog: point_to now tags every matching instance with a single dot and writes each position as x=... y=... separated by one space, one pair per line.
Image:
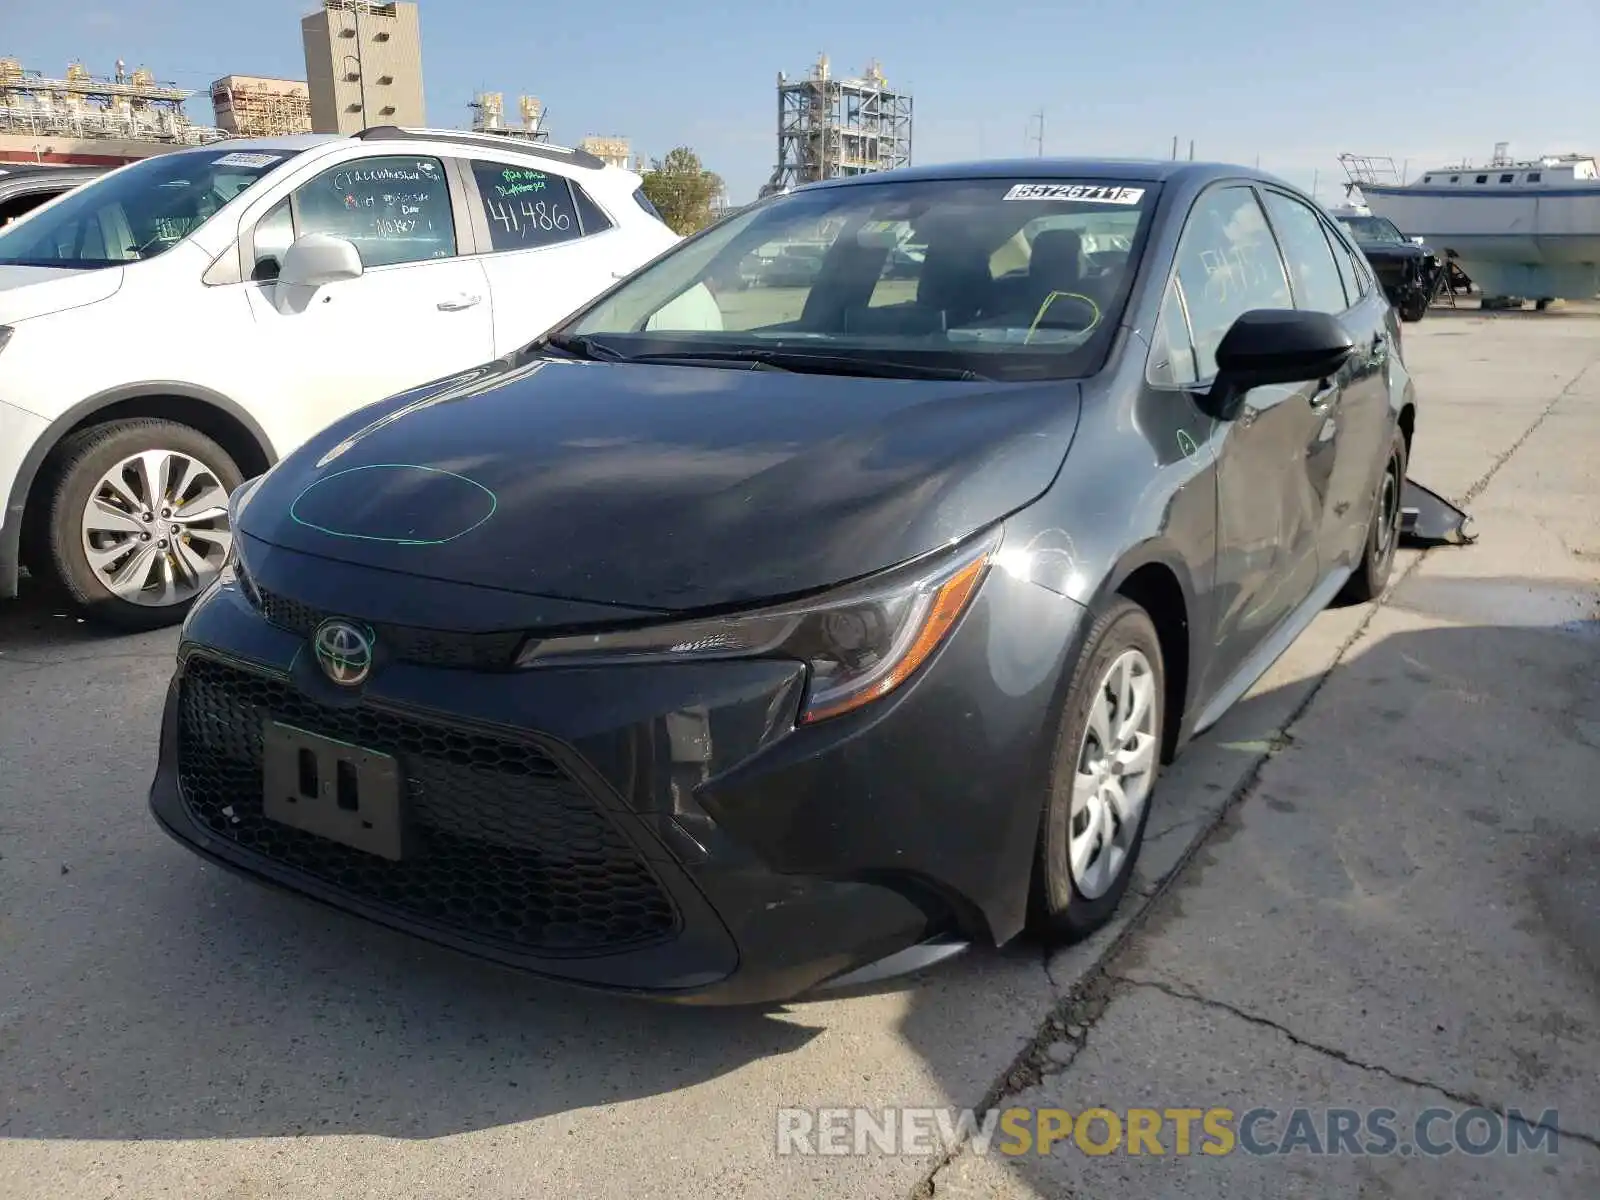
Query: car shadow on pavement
x=1430 y=814
x=149 y=996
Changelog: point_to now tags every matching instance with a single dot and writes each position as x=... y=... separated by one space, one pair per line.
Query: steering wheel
x=1068 y=310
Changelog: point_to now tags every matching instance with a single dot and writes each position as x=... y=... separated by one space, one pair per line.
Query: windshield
x=1005 y=278
x=1371 y=229
x=137 y=212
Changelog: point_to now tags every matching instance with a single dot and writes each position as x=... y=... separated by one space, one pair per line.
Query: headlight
x=860 y=642
x=239 y=497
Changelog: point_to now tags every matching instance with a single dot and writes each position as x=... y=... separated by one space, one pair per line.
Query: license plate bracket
x=332 y=789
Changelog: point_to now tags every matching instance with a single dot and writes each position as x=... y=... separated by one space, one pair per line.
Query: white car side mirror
x=316 y=259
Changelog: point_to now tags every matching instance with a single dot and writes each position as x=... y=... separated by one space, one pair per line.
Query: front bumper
x=660 y=829
x=20 y=432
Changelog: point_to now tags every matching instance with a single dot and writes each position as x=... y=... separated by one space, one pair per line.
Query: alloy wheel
x=1388 y=513
x=155 y=529
x=1116 y=770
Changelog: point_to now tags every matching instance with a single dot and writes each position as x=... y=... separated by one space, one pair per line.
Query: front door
x=420 y=311
x=1270 y=460
x=1357 y=424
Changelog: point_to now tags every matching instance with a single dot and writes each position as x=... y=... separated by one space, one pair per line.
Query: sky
x=1424 y=82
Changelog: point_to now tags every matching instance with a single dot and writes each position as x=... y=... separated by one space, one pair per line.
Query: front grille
x=508 y=847
x=425 y=647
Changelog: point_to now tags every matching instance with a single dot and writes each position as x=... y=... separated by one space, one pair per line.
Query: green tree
x=683 y=191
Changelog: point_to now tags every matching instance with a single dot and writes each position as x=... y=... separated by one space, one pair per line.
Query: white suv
x=177 y=325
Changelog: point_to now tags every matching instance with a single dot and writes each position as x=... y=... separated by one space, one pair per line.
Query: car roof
x=379 y=134
x=1132 y=170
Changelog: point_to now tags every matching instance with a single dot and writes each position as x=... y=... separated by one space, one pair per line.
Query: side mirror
x=319 y=258
x=1276 y=345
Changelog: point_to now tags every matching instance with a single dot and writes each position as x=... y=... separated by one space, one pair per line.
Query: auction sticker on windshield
x=238 y=159
x=1082 y=192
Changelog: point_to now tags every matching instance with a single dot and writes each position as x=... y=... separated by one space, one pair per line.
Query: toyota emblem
x=344 y=652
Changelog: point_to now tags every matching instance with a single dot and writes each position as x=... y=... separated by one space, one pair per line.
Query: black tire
x=1383 y=530
x=1414 y=308
x=79 y=464
x=1061 y=912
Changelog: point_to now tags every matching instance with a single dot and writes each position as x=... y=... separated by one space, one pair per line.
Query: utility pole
x=1191 y=149
x=361 y=67
x=1315 y=176
x=1039 y=117
x=1174 y=147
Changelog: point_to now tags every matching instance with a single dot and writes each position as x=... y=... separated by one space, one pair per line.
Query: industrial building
x=614 y=151
x=251 y=106
x=830 y=127
x=94 y=120
x=488 y=116
x=363 y=65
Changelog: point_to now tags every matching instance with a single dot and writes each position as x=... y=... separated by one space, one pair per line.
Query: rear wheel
x=1107 y=758
x=1414 y=307
x=1383 y=532
x=137 y=524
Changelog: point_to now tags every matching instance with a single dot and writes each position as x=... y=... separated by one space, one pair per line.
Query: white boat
x=1528 y=229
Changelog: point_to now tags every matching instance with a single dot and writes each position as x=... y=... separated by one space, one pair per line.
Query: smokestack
x=1174 y=147
x=1191 y=149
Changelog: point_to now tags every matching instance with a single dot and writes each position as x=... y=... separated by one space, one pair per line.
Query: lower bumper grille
x=510 y=848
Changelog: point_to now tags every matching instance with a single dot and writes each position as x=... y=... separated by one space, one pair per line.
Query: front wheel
x=1107 y=758
x=138 y=520
x=1414 y=308
x=1383 y=531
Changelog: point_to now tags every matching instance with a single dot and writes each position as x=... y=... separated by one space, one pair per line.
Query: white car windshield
x=1008 y=278
x=137 y=212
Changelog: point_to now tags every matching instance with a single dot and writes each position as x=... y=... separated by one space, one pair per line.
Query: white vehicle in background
x=177 y=325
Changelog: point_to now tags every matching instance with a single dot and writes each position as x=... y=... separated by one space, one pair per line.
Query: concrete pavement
x=1410 y=839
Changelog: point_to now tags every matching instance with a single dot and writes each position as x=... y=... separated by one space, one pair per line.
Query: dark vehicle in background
x=26 y=186
x=721 y=662
x=1410 y=273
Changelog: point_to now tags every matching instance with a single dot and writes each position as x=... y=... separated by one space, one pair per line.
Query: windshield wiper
x=815 y=364
x=583 y=346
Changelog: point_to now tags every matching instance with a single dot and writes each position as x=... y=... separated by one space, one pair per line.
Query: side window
x=526 y=208
x=1353 y=266
x=1306 y=250
x=395 y=210
x=590 y=215
x=1172 y=349
x=1347 y=268
x=1228 y=264
x=274 y=232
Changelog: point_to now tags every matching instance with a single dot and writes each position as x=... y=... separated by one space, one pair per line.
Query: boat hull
x=1523 y=241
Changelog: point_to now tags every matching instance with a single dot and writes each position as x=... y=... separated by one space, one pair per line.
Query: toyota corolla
x=739 y=639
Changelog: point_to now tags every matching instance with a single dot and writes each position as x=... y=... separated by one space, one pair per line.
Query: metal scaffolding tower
x=829 y=127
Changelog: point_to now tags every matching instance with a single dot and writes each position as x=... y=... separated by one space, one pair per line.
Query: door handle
x=459 y=303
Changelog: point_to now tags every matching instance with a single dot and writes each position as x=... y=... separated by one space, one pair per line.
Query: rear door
x=420 y=310
x=1270 y=492
x=546 y=245
x=1354 y=423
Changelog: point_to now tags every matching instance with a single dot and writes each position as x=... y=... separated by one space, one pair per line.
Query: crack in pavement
x=1466 y=1099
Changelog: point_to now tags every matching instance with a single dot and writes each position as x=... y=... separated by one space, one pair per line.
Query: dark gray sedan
x=730 y=642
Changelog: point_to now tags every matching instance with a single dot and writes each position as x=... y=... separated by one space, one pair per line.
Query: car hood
x=27 y=292
x=666 y=488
